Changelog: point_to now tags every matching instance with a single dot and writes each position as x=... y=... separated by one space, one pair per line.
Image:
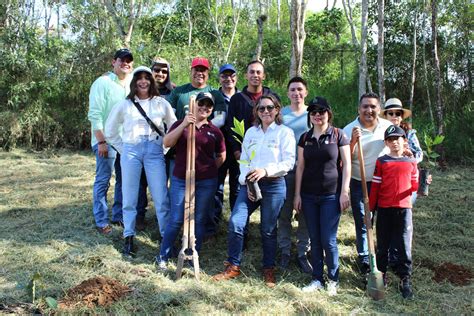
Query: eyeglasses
x=320 y=112
x=269 y=108
x=224 y=76
x=162 y=70
x=395 y=113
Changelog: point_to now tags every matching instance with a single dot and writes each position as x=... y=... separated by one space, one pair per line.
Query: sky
x=319 y=5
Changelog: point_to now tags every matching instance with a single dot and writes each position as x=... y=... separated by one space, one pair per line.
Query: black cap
x=394 y=131
x=124 y=52
x=318 y=103
x=205 y=95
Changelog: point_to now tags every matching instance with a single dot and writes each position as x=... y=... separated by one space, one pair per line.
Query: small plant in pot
x=239 y=129
x=431 y=157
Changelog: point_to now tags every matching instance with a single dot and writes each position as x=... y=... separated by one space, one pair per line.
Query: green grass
x=47 y=227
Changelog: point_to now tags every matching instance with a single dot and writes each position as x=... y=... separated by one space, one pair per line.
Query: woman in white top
x=140 y=146
x=267 y=156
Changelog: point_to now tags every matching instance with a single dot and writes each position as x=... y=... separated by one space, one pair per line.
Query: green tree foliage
x=46 y=75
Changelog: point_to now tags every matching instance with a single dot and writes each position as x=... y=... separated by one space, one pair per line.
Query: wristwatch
x=102 y=142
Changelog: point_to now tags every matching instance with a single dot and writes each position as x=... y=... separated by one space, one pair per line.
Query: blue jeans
x=357 y=204
x=273 y=197
x=147 y=155
x=204 y=205
x=322 y=213
x=103 y=173
x=284 y=223
x=231 y=165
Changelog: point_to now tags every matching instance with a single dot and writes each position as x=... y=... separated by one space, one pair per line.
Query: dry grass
x=45 y=209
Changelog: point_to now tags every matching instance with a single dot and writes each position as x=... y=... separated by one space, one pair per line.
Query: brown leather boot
x=269 y=277
x=231 y=271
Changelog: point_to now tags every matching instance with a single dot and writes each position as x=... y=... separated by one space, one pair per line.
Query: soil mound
x=456 y=274
x=98 y=291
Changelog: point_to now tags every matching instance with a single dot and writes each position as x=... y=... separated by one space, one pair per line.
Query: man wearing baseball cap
x=228 y=81
x=179 y=97
x=105 y=93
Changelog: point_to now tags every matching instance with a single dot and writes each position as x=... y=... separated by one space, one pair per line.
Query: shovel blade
x=375 y=286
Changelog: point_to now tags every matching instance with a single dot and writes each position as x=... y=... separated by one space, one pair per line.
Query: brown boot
x=269 y=277
x=231 y=271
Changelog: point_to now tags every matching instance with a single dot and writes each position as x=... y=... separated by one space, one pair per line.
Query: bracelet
x=102 y=142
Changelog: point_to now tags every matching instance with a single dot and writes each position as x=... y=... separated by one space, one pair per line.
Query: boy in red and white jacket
x=395 y=178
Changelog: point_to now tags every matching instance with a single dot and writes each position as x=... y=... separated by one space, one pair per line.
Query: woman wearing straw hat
x=395 y=113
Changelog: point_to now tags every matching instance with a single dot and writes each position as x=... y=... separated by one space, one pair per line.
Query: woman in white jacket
x=141 y=146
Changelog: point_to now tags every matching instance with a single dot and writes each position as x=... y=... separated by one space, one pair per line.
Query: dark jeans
x=322 y=213
x=231 y=165
x=357 y=204
x=395 y=227
x=204 y=193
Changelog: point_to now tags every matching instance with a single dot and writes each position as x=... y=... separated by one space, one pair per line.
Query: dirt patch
x=453 y=273
x=98 y=291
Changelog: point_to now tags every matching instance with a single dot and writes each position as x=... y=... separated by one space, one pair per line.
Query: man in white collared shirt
x=370 y=129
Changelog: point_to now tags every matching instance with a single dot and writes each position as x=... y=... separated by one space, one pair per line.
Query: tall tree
x=262 y=17
x=437 y=69
x=124 y=17
x=380 y=49
x=413 y=60
x=298 y=35
x=363 y=49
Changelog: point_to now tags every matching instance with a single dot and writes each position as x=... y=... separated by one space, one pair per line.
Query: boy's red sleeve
x=375 y=186
x=414 y=177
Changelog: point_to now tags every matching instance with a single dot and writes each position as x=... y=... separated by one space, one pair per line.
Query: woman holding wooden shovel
x=210 y=154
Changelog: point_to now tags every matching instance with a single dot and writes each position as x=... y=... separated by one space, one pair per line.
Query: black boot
x=405 y=287
x=128 y=248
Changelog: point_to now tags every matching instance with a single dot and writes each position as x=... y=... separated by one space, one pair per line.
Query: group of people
x=292 y=160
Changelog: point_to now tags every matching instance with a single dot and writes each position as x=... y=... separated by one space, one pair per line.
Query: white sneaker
x=315 y=285
x=331 y=287
x=161 y=265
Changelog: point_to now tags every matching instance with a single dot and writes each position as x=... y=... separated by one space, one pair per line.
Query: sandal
x=107 y=229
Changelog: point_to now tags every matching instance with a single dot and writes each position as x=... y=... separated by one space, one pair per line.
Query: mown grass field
x=47 y=227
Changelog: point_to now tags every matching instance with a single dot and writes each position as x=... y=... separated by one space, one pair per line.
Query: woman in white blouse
x=268 y=154
x=140 y=146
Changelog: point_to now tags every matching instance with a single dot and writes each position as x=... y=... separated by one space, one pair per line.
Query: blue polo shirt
x=322 y=168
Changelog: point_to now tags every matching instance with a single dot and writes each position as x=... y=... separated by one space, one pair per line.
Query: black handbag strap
x=150 y=122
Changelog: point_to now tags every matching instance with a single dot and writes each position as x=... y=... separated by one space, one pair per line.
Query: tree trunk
x=215 y=27
x=413 y=70
x=380 y=50
x=434 y=38
x=348 y=13
x=298 y=36
x=278 y=14
x=190 y=23
x=363 y=49
x=125 y=32
x=235 y=17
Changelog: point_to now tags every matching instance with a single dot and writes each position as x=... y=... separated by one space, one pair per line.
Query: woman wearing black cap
x=322 y=190
x=141 y=146
x=210 y=154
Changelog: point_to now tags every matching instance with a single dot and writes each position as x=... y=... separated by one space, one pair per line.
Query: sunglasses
x=320 y=112
x=395 y=113
x=269 y=108
x=205 y=104
x=162 y=70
